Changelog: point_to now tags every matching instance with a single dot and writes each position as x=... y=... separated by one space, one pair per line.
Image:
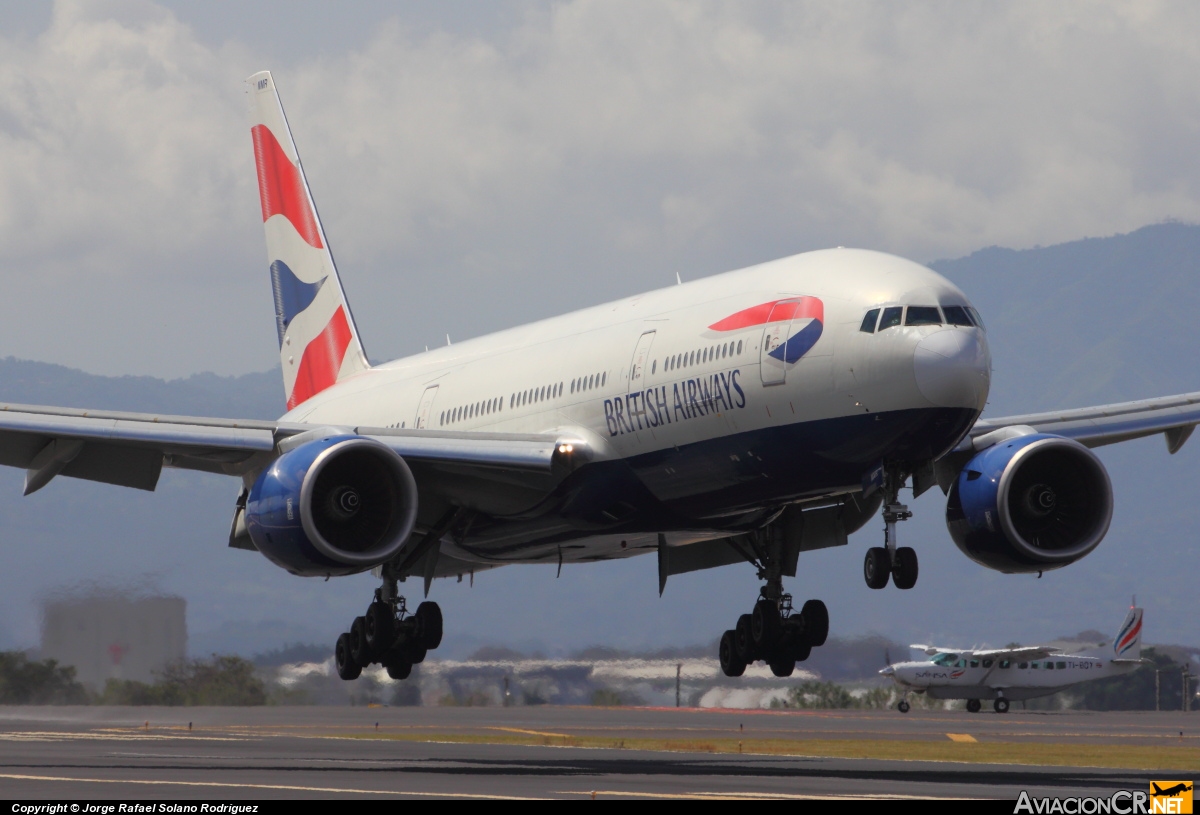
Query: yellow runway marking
x=532 y=732
x=961 y=737
x=229 y=785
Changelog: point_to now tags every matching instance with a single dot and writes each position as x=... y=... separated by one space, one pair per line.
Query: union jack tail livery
x=318 y=341
x=1128 y=642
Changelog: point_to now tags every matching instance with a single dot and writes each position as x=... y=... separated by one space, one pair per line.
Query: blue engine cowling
x=333 y=506
x=1030 y=503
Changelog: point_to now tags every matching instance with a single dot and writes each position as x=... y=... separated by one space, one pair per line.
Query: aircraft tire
x=904 y=575
x=413 y=652
x=902 y=706
x=974 y=706
x=876 y=567
x=816 y=622
x=731 y=665
x=360 y=652
x=379 y=627
x=397 y=667
x=1000 y=705
x=783 y=667
x=802 y=652
x=347 y=668
x=765 y=625
x=429 y=624
x=743 y=639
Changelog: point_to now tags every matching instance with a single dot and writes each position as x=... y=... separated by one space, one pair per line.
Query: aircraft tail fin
x=1127 y=645
x=318 y=341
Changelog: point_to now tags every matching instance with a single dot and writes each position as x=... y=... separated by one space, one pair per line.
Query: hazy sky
x=481 y=164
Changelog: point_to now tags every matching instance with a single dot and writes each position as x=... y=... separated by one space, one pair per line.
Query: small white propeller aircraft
x=1004 y=674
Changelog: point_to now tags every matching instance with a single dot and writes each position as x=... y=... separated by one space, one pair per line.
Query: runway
x=558 y=752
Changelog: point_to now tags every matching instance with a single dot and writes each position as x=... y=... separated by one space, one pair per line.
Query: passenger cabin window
x=974 y=663
x=868 y=323
x=1005 y=664
x=987 y=663
x=1023 y=665
x=957 y=315
x=923 y=315
x=891 y=317
x=1062 y=666
x=1049 y=665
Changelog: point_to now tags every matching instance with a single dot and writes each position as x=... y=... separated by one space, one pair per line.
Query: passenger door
x=775 y=334
x=426 y=405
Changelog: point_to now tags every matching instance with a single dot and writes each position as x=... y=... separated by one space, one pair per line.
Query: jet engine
x=333 y=506
x=1030 y=503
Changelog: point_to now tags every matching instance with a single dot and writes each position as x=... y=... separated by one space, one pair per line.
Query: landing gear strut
x=890 y=561
x=389 y=635
x=773 y=632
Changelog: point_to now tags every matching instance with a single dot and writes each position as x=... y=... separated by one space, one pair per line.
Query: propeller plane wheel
x=783 y=667
x=974 y=705
x=429 y=625
x=765 y=625
x=347 y=667
x=815 y=618
x=731 y=663
x=1000 y=706
x=379 y=627
x=360 y=652
x=877 y=567
x=903 y=706
x=904 y=572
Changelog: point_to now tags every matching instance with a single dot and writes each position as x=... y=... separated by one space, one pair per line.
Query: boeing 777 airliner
x=746 y=417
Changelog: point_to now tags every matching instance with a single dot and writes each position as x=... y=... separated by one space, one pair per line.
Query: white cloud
x=591 y=149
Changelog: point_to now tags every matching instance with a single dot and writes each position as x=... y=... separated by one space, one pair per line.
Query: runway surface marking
x=225 y=784
x=105 y=735
x=750 y=796
x=961 y=737
x=531 y=732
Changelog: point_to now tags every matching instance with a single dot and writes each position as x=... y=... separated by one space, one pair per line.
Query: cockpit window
x=923 y=315
x=945 y=659
x=891 y=317
x=957 y=315
x=868 y=323
x=975 y=316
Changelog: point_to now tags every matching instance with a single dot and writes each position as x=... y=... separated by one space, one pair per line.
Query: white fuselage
x=690 y=411
x=967 y=676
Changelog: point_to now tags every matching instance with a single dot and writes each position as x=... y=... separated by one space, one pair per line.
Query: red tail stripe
x=280 y=187
x=322 y=359
x=761 y=314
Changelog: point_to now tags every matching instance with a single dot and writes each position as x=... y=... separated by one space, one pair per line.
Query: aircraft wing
x=130 y=449
x=1173 y=416
x=1016 y=654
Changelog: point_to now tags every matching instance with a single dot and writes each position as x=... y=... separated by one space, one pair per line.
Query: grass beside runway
x=1132 y=757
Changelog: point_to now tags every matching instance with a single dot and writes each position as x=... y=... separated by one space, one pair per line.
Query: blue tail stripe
x=292 y=295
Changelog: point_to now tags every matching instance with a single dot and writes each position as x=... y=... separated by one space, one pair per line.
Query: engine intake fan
x=1030 y=503
x=338 y=505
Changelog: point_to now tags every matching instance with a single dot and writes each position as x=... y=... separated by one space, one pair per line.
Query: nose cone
x=888 y=671
x=953 y=368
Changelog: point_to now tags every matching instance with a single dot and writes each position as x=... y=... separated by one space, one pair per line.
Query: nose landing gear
x=889 y=560
x=389 y=635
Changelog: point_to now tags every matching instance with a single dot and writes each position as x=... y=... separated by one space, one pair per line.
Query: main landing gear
x=773 y=631
x=774 y=634
x=898 y=563
x=389 y=635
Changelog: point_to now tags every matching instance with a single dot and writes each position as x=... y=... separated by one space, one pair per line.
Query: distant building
x=113 y=637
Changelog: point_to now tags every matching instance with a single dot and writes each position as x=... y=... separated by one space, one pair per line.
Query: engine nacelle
x=1030 y=503
x=334 y=506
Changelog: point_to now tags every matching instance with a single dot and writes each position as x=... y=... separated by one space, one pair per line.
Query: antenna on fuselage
x=678 y=282
x=447 y=339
